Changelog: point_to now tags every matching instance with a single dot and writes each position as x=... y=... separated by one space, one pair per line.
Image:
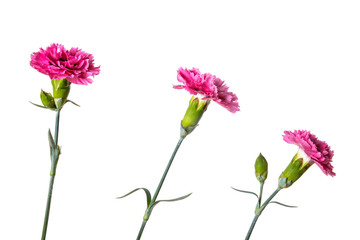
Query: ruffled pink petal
x=208 y=86
x=225 y=98
x=75 y=65
x=318 y=151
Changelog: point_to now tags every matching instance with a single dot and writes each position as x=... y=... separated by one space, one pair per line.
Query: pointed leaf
x=51 y=140
x=54 y=109
x=245 y=191
x=170 y=200
x=58 y=153
x=147 y=192
x=284 y=205
x=72 y=103
x=52 y=146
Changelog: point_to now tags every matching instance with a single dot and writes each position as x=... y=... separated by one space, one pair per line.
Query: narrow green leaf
x=53 y=109
x=37 y=105
x=170 y=200
x=72 y=102
x=58 y=153
x=175 y=199
x=245 y=191
x=147 y=192
x=284 y=205
x=51 y=140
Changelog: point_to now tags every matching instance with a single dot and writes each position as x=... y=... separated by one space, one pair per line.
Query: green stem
x=46 y=218
x=263 y=206
x=260 y=195
x=252 y=227
x=56 y=137
x=166 y=170
x=258 y=212
x=54 y=158
x=159 y=187
x=141 y=229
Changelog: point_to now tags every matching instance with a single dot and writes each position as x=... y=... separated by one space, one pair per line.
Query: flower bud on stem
x=261 y=171
x=47 y=99
x=261 y=168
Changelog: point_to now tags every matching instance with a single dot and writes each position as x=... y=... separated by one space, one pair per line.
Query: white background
x=293 y=65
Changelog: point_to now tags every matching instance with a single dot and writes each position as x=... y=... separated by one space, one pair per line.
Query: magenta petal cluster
x=74 y=65
x=317 y=150
x=208 y=86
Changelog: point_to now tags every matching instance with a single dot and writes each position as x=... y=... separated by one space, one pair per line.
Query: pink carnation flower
x=58 y=63
x=208 y=86
x=318 y=151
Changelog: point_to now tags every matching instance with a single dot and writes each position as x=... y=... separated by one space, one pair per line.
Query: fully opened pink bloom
x=208 y=86
x=318 y=151
x=75 y=65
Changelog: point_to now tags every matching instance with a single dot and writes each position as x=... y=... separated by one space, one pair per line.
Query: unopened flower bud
x=47 y=99
x=261 y=168
x=297 y=167
x=193 y=114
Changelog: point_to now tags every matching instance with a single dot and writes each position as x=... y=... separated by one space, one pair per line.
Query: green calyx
x=61 y=90
x=261 y=168
x=193 y=114
x=294 y=171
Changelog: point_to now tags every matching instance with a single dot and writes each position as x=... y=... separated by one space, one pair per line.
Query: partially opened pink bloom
x=208 y=86
x=74 y=65
x=318 y=151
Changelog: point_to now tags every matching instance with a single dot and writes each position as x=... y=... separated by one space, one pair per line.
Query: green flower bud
x=193 y=114
x=261 y=168
x=61 y=88
x=297 y=167
x=47 y=99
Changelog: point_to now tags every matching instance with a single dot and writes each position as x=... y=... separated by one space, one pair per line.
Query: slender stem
x=47 y=211
x=56 y=137
x=260 y=195
x=159 y=187
x=166 y=171
x=141 y=229
x=259 y=210
x=252 y=226
x=263 y=206
x=54 y=158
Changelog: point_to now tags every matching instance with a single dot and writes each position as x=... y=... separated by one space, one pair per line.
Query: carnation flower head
x=208 y=86
x=74 y=65
x=318 y=151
